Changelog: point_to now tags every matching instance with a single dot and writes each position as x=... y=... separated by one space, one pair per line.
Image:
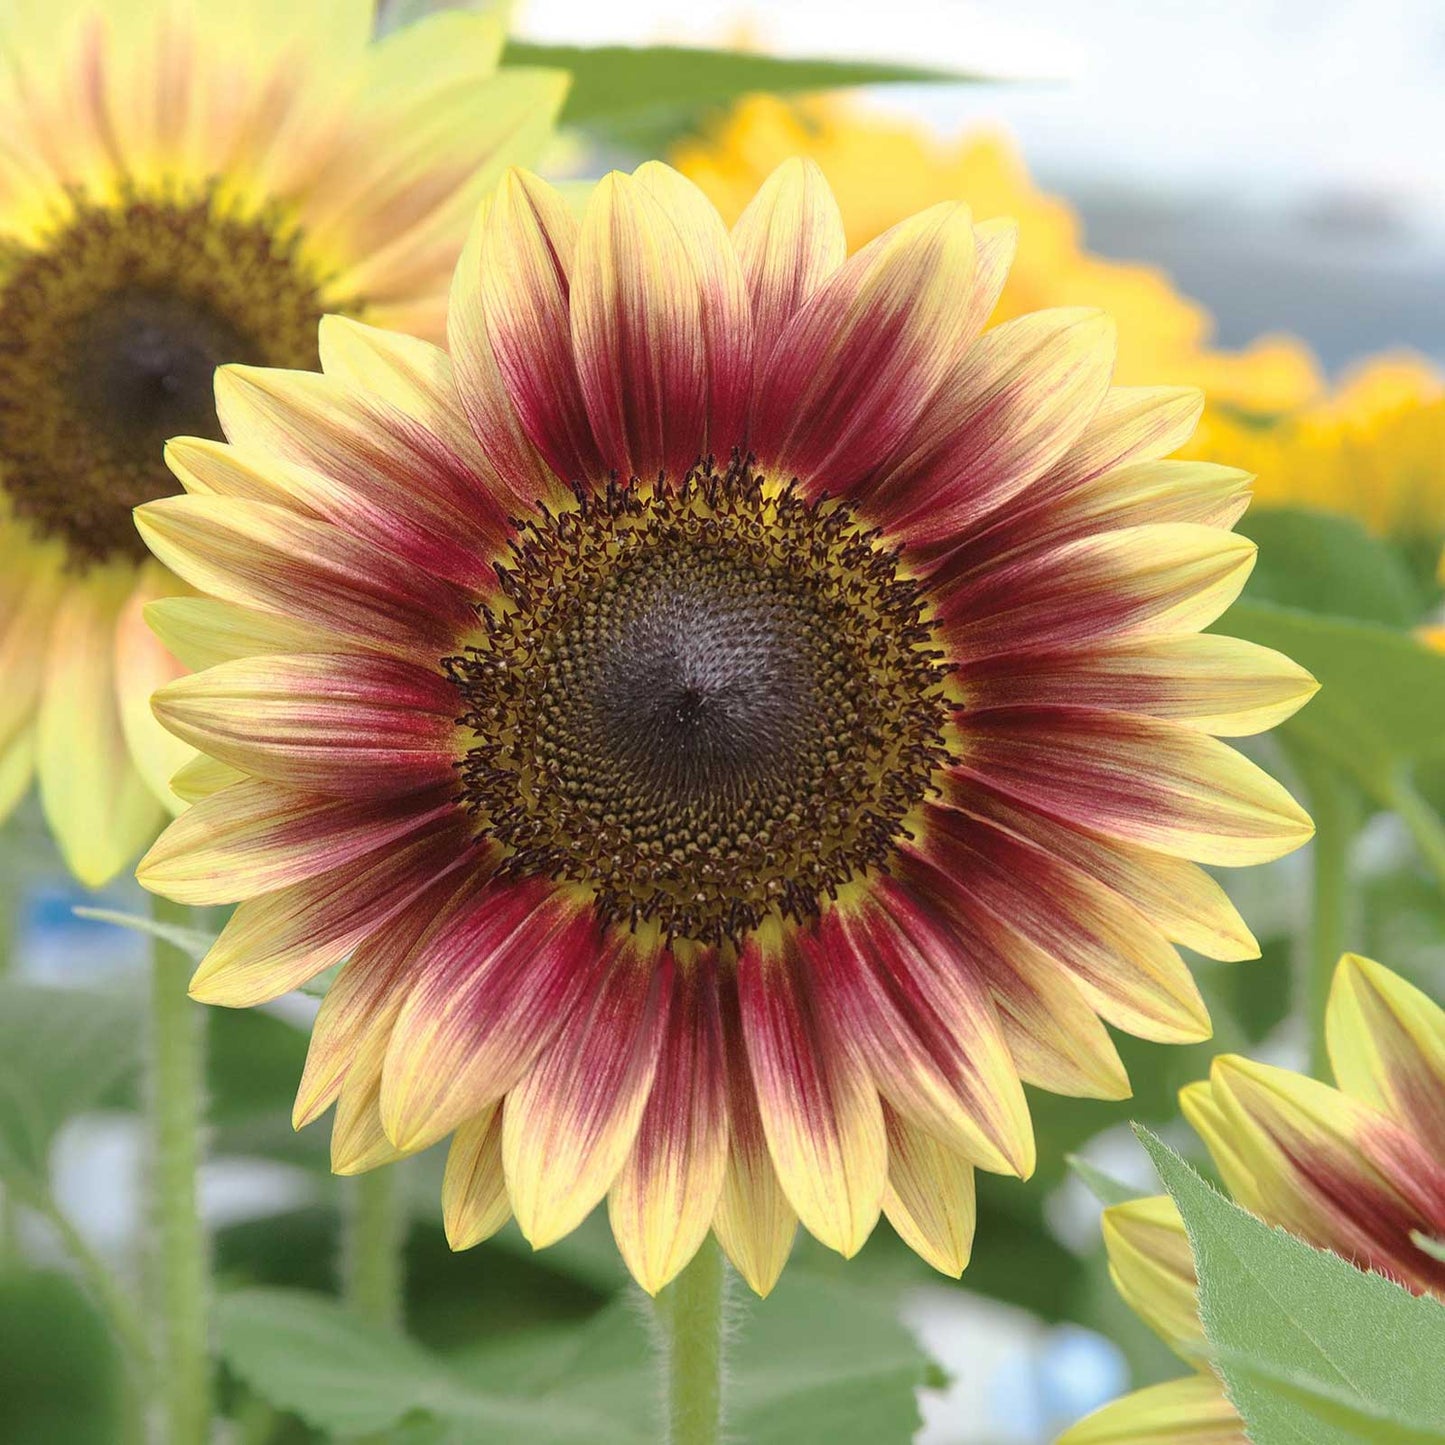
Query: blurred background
x=1254 y=188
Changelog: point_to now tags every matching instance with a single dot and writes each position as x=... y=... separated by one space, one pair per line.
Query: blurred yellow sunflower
x=1358 y=1169
x=1373 y=449
x=883 y=169
x=184 y=184
x=739 y=718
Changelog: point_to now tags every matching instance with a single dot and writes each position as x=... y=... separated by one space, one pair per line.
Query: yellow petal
x=1153 y=1269
x=930 y=1198
x=1192 y=1411
x=474 y=1190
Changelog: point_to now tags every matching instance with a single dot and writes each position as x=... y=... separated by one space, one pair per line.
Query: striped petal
x=930 y=1197
x=203 y=776
x=474 y=1188
x=789 y=240
x=1139 y=582
x=1387 y=1047
x=1180 y=898
x=489 y=992
x=511 y=305
x=270 y=558
x=98 y=806
x=924 y=1026
x=1152 y=1267
x=343 y=726
x=1191 y=1411
x=1004 y=889
x=569 y=1126
x=370 y=990
x=856 y=367
x=663 y=1202
x=255 y=837
x=820 y=1111
x=1146 y=782
x=1333 y=1170
x=397 y=482
x=1220 y=685
x=358 y=1142
x=638 y=334
x=1005 y=414
x=282 y=940
x=754 y=1222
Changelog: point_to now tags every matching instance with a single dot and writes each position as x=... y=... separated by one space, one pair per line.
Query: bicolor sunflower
x=184 y=184
x=1358 y=1169
x=737 y=716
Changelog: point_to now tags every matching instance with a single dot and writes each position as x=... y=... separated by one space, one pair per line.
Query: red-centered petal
x=1220 y=685
x=789 y=240
x=1387 y=1047
x=820 y=1109
x=1134 y=778
x=1140 y=582
x=490 y=990
x=370 y=989
x=726 y=309
x=923 y=1023
x=514 y=292
x=482 y=390
x=474 y=1188
x=1180 y=898
x=1143 y=494
x=276 y=943
x=663 y=1201
x=637 y=332
x=1191 y=1411
x=1006 y=413
x=1333 y=1170
x=271 y=558
x=930 y=1197
x=407 y=488
x=1054 y=1037
x=859 y=364
x=256 y=837
x=346 y=726
x=1003 y=889
x=754 y=1223
x=568 y=1127
x=1152 y=1267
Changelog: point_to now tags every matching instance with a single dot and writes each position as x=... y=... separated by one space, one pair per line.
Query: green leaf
x=307 y=1355
x=61 y=1374
x=1382 y=693
x=1336 y=1354
x=610 y=82
x=1324 y=563
x=193 y=941
x=61 y=1052
x=1104 y=1187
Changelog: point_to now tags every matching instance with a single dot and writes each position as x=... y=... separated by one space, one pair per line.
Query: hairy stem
x=375 y=1233
x=177 y=1091
x=691 y=1314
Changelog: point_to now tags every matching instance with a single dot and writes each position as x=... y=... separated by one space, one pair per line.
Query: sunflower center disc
x=110 y=331
x=709 y=703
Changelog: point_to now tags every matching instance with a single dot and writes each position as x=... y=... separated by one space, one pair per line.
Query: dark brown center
x=110 y=331
x=708 y=702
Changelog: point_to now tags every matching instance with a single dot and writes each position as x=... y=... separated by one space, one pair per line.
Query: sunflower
x=883 y=169
x=183 y=184
x=1372 y=449
x=737 y=717
x=1358 y=1169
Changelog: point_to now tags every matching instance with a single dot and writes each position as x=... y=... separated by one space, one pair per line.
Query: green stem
x=10 y=897
x=1424 y=823
x=1336 y=809
x=691 y=1314
x=177 y=1091
x=372 y=1258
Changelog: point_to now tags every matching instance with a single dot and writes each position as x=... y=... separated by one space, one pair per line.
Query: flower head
x=1358 y=1169
x=185 y=184
x=738 y=716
